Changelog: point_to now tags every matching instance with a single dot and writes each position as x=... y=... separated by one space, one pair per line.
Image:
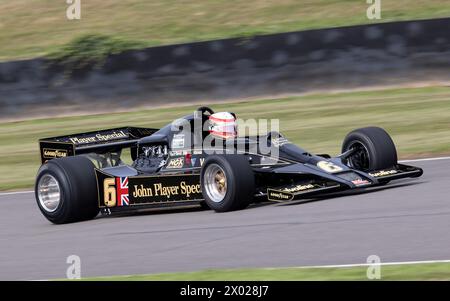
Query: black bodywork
x=166 y=166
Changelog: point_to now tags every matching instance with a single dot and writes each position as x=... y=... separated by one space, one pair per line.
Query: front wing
x=340 y=181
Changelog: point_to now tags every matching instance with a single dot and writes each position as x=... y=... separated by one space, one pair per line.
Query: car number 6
x=109 y=192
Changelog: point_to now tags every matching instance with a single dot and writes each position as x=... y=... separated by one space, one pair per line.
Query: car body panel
x=167 y=166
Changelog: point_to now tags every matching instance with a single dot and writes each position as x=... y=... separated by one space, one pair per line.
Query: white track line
x=425 y=159
x=401 y=161
x=367 y=264
x=16 y=192
x=319 y=266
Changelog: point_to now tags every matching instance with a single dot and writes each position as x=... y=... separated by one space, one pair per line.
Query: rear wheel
x=373 y=149
x=66 y=190
x=228 y=182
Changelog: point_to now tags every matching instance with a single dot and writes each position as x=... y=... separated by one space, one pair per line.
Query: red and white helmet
x=223 y=125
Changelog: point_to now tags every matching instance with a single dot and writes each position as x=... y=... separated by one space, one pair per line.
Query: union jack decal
x=122 y=191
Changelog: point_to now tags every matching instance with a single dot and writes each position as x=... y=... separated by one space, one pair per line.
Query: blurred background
x=322 y=67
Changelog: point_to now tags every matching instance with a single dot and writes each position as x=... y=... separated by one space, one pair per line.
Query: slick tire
x=376 y=150
x=227 y=182
x=66 y=190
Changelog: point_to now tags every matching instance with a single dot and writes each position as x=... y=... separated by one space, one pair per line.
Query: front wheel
x=373 y=149
x=66 y=190
x=228 y=182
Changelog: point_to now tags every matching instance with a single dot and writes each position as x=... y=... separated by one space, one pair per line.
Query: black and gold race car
x=83 y=174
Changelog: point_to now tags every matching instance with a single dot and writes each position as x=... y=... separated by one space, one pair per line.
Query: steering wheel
x=205 y=110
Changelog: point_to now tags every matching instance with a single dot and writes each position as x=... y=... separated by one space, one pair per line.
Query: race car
x=200 y=159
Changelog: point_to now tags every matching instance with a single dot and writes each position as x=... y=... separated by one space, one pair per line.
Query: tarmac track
x=407 y=220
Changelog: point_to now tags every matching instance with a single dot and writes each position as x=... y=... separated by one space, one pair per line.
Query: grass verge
x=90 y=50
x=417 y=118
x=422 y=271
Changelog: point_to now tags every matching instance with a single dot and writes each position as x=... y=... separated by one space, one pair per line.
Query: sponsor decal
x=115 y=135
x=176 y=163
x=329 y=166
x=202 y=160
x=178 y=141
x=52 y=150
x=174 y=188
x=279 y=141
x=176 y=153
x=128 y=191
x=276 y=195
x=360 y=182
x=383 y=173
x=160 y=190
x=50 y=153
x=298 y=188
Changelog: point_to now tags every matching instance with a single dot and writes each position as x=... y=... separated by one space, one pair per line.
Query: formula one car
x=83 y=174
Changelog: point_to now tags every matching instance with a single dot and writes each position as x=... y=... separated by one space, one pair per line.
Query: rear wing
x=102 y=141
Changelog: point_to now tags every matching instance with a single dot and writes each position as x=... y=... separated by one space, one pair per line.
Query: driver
x=223 y=125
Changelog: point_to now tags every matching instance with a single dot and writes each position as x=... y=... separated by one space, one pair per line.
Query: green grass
x=417 y=118
x=35 y=28
x=90 y=50
x=434 y=271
